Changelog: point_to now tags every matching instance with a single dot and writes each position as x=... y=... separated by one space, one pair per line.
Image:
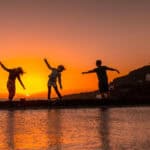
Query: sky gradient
x=74 y=33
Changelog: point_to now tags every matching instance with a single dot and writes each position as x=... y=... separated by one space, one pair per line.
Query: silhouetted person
x=52 y=82
x=102 y=77
x=13 y=74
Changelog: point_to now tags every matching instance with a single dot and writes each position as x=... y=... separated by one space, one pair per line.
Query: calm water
x=76 y=129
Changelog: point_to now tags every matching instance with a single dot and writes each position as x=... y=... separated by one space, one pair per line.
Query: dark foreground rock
x=74 y=103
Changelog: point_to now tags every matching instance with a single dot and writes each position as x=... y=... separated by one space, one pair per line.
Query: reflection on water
x=75 y=129
x=104 y=128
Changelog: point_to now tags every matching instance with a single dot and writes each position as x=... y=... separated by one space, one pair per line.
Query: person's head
x=98 y=63
x=19 y=70
x=61 y=68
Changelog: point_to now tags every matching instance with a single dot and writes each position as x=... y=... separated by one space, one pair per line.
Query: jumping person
x=13 y=74
x=52 y=82
x=102 y=77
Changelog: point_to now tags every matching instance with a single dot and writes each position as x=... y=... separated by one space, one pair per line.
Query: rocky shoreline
x=74 y=103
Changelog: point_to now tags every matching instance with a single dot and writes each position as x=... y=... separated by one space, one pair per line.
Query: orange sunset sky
x=74 y=33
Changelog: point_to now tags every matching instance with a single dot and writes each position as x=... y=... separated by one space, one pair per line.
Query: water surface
x=76 y=129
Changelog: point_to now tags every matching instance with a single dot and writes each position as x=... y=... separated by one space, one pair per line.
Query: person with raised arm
x=13 y=74
x=52 y=82
x=101 y=72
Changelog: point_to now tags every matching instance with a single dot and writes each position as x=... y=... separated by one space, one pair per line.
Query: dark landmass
x=73 y=103
x=130 y=90
x=135 y=85
x=134 y=77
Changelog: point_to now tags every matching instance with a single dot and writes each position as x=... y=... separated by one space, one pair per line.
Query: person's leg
x=11 y=89
x=100 y=87
x=11 y=95
x=103 y=95
x=106 y=90
x=49 y=92
x=106 y=95
x=58 y=93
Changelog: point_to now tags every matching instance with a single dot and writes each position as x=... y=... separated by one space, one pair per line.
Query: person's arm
x=90 y=71
x=48 y=65
x=5 y=68
x=112 y=69
x=59 y=81
x=21 y=82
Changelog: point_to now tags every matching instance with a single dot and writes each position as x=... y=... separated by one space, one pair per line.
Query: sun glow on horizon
x=36 y=77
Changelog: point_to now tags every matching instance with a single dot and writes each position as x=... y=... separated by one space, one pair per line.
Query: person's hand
x=118 y=71
x=45 y=59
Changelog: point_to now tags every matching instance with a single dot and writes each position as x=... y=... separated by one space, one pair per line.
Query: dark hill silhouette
x=134 y=77
x=134 y=85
